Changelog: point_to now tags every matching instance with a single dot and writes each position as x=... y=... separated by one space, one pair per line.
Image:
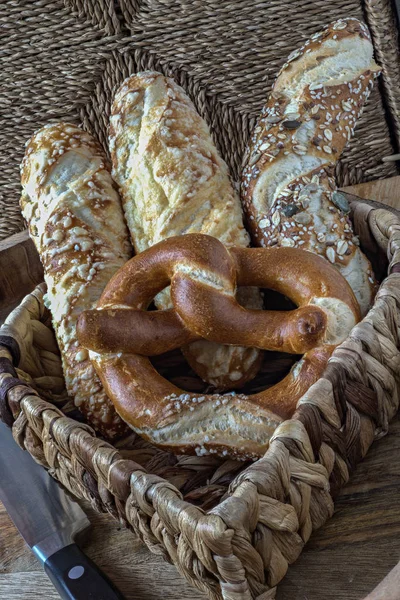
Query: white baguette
x=287 y=189
x=76 y=222
x=172 y=181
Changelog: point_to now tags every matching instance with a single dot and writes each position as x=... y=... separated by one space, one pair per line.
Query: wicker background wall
x=61 y=60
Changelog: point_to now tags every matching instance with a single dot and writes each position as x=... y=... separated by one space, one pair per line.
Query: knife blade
x=49 y=521
x=397 y=7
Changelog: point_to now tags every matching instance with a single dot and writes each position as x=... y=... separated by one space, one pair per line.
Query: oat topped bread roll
x=288 y=190
x=172 y=181
x=75 y=219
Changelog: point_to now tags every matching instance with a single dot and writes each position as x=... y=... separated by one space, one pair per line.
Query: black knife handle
x=76 y=577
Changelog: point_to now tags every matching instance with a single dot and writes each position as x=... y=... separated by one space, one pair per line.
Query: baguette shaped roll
x=288 y=193
x=76 y=222
x=172 y=181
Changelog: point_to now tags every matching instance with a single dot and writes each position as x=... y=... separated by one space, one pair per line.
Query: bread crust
x=203 y=276
x=68 y=197
x=172 y=181
x=288 y=191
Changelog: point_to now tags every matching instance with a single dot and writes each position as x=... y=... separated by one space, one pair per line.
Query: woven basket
x=230 y=528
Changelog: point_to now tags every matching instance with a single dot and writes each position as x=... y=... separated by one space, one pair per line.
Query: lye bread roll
x=76 y=222
x=288 y=193
x=172 y=182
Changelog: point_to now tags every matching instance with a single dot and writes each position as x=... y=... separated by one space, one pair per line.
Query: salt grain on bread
x=75 y=219
x=203 y=275
x=172 y=181
x=288 y=192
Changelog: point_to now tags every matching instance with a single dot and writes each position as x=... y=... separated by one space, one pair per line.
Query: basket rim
x=295 y=442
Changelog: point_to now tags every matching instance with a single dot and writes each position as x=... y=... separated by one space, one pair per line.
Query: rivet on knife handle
x=76 y=577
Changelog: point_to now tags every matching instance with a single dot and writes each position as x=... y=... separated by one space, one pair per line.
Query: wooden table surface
x=344 y=560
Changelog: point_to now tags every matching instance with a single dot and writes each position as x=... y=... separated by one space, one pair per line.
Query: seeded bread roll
x=172 y=181
x=289 y=195
x=75 y=219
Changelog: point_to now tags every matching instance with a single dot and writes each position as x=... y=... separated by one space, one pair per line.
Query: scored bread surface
x=172 y=181
x=76 y=221
x=288 y=191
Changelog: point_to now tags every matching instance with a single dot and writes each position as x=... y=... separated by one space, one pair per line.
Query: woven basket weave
x=62 y=59
x=230 y=528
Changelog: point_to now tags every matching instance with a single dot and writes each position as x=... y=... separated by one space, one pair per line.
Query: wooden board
x=344 y=560
x=386 y=191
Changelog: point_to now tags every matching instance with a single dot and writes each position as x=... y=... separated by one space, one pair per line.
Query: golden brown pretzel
x=203 y=276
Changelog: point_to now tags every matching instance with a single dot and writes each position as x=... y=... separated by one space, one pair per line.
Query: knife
x=397 y=7
x=49 y=521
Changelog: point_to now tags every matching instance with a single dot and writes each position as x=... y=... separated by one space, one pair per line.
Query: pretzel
x=203 y=275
